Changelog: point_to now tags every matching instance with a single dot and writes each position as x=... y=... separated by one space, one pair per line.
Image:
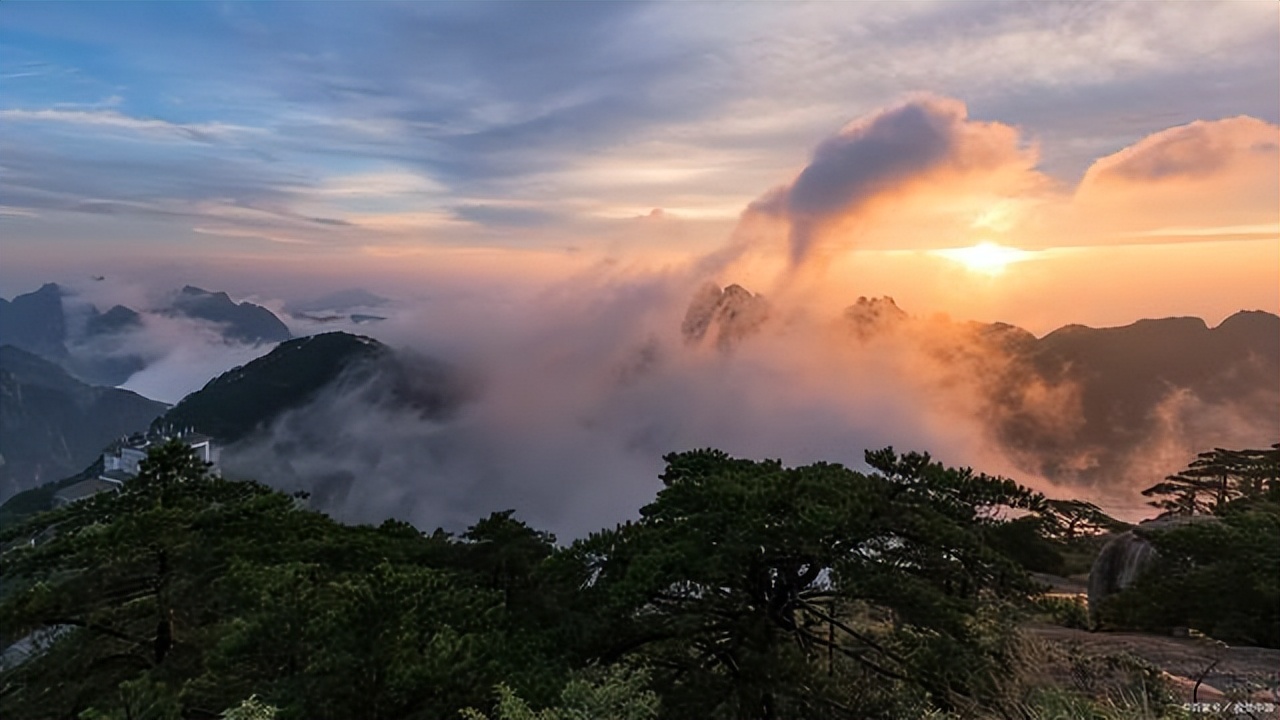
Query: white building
x=124 y=459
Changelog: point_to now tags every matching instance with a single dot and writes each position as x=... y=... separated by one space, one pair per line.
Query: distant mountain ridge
x=1079 y=404
x=1132 y=378
x=245 y=322
x=53 y=425
x=96 y=350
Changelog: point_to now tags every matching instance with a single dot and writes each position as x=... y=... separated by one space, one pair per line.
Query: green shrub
x=1068 y=612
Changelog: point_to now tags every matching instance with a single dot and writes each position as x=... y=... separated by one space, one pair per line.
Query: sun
x=986 y=257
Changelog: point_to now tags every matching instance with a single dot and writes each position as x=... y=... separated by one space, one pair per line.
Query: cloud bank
x=583 y=383
x=586 y=383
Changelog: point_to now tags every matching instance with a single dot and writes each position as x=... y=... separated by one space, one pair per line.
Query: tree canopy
x=1218 y=477
x=1220 y=575
x=744 y=589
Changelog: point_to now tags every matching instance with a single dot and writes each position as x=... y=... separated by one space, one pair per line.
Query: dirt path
x=1254 y=669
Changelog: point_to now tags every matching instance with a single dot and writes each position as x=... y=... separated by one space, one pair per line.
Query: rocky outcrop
x=1125 y=558
x=35 y=322
x=872 y=316
x=729 y=315
x=244 y=322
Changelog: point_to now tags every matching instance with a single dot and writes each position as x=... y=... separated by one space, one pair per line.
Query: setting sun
x=985 y=257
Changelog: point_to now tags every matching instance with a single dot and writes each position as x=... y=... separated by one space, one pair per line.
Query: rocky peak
x=872 y=316
x=733 y=312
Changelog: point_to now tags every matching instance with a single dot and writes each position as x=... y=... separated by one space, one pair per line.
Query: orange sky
x=1122 y=156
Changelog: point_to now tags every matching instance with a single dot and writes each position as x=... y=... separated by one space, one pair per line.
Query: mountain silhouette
x=245 y=322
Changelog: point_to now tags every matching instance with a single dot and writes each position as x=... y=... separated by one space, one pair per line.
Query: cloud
x=197 y=132
x=1199 y=151
x=1218 y=174
x=889 y=153
x=182 y=355
x=585 y=112
x=503 y=215
x=169 y=356
x=581 y=390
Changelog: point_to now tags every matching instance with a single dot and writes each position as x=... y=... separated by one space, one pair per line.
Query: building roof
x=115 y=476
x=83 y=489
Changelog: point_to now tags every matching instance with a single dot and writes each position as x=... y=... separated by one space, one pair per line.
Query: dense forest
x=745 y=589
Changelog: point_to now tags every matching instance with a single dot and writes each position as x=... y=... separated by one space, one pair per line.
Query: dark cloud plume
x=880 y=155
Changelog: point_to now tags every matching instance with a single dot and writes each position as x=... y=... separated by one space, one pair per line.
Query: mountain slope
x=35 y=322
x=1088 y=405
x=1153 y=381
x=240 y=401
x=1079 y=405
x=233 y=404
x=52 y=425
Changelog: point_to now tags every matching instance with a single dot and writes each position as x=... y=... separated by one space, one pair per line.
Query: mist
x=164 y=356
x=581 y=391
x=576 y=386
x=583 y=384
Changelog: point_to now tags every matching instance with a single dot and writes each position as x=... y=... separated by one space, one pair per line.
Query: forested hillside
x=745 y=589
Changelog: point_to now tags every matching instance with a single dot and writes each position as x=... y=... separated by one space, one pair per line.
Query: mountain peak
x=236 y=402
x=240 y=402
x=735 y=312
x=871 y=316
x=245 y=321
x=1258 y=318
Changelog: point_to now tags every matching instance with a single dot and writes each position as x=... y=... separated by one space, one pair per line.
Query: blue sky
x=203 y=131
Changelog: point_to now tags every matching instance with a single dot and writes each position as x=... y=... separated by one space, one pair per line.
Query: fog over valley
x=616 y=369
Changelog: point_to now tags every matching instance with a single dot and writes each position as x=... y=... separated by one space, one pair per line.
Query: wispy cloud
x=254 y=234
x=199 y=132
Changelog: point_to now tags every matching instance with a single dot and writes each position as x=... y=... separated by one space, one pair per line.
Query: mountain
x=872 y=316
x=1169 y=378
x=1085 y=404
x=244 y=322
x=118 y=319
x=102 y=353
x=1080 y=405
x=729 y=315
x=100 y=349
x=53 y=425
x=245 y=399
x=35 y=322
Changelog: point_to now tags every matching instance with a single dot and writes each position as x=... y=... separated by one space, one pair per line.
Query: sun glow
x=985 y=257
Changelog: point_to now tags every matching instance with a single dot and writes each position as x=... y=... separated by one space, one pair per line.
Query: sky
x=542 y=187
x=1108 y=161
